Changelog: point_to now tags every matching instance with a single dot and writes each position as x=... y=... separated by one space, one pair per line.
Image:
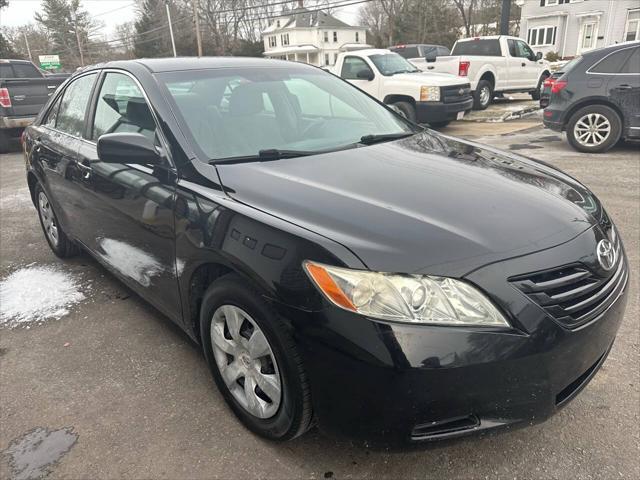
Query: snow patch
x=130 y=261
x=34 y=294
x=17 y=200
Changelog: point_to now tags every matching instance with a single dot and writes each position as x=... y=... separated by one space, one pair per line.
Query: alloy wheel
x=48 y=219
x=592 y=130
x=484 y=95
x=246 y=361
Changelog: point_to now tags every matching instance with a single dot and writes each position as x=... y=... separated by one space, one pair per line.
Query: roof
x=170 y=64
x=304 y=18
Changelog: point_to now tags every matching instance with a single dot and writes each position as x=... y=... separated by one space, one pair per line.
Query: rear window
x=406 y=52
x=484 y=48
x=5 y=70
x=25 y=70
x=612 y=63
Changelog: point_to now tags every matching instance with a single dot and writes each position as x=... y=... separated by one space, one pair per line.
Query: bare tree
x=467 y=12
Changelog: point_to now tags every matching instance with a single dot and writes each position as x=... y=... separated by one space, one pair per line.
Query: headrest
x=246 y=99
x=138 y=113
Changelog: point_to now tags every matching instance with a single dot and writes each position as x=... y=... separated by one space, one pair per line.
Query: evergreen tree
x=150 y=18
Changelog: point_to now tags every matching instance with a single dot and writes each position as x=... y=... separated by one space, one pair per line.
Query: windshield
x=391 y=63
x=242 y=111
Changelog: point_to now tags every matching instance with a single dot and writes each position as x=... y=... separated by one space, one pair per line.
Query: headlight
x=429 y=94
x=405 y=298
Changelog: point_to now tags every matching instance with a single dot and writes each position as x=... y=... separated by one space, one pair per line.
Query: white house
x=570 y=27
x=310 y=36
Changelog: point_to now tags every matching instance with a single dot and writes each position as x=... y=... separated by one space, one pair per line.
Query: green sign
x=49 y=62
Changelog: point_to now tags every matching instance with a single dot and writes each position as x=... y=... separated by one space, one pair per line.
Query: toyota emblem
x=607 y=254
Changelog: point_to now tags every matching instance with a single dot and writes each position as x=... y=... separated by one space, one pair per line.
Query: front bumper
x=16 y=122
x=401 y=382
x=427 y=112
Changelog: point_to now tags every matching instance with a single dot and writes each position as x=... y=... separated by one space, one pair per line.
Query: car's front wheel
x=254 y=360
x=56 y=238
x=407 y=110
x=594 y=129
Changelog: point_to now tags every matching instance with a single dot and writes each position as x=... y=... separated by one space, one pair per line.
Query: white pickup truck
x=432 y=98
x=497 y=64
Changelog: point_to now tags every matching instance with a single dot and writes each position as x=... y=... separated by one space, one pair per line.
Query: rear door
x=624 y=89
x=130 y=223
x=56 y=148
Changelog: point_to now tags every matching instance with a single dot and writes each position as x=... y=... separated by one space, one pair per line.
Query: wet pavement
x=114 y=390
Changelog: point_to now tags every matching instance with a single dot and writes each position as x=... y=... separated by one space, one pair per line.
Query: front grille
x=456 y=93
x=573 y=294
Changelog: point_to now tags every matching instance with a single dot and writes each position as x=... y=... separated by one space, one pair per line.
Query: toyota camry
x=336 y=263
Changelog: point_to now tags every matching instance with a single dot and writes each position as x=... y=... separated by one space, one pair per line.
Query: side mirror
x=127 y=148
x=431 y=55
x=365 y=74
x=539 y=56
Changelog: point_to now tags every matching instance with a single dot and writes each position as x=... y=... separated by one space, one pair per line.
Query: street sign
x=49 y=62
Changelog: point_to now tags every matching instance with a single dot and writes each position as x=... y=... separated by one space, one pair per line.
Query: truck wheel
x=535 y=95
x=407 y=110
x=483 y=95
x=594 y=129
x=436 y=125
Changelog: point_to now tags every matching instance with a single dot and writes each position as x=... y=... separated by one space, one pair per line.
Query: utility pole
x=75 y=28
x=504 y=17
x=173 y=42
x=196 y=17
x=26 y=40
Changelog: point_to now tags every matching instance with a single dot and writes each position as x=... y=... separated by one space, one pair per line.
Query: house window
x=284 y=39
x=632 y=32
x=357 y=37
x=326 y=36
x=326 y=59
x=335 y=37
x=272 y=41
x=551 y=3
x=542 y=36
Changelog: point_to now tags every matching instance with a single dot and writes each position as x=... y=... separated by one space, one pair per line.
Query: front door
x=623 y=89
x=526 y=70
x=588 y=37
x=132 y=205
x=354 y=69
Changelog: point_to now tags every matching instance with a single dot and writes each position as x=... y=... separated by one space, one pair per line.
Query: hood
x=428 y=78
x=424 y=204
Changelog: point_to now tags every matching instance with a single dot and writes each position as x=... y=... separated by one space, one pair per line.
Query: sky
x=112 y=13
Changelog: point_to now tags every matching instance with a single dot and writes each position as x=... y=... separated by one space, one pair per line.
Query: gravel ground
x=114 y=390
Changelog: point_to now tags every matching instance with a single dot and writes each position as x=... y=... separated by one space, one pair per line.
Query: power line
x=114 y=10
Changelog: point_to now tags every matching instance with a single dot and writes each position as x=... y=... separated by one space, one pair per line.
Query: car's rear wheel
x=407 y=110
x=594 y=129
x=56 y=238
x=254 y=360
x=483 y=95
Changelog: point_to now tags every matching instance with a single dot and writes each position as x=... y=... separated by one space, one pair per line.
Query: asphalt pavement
x=114 y=390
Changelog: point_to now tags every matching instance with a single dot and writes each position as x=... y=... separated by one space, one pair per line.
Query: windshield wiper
x=265 y=155
x=384 y=137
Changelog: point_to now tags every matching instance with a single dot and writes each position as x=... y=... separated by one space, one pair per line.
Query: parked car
x=496 y=64
x=23 y=92
x=597 y=100
x=421 y=97
x=545 y=93
x=420 y=51
x=333 y=260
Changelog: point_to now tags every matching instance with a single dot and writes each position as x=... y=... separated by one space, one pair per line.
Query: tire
x=292 y=416
x=437 y=125
x=535 y=95
x=607 y=124
x=483 y=95
x=408 y=110
x=59 y=243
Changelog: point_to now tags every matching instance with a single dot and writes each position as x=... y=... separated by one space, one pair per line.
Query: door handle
x=624 y=87
x=85 y=167
x=523 y=64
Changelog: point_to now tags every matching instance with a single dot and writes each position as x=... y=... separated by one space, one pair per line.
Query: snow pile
x=37 y=293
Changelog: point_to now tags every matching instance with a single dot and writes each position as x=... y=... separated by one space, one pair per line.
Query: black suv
x=597 y=100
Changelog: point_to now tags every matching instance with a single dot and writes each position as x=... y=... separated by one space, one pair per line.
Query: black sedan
x=597 y=99
x=334 y=261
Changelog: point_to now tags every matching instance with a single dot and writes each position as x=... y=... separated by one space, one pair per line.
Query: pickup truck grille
x=456 y=93
x=573 y=294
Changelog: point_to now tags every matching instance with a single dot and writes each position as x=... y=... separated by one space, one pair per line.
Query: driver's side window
x=351 y=66
x=524 y=51
x=122 y=108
